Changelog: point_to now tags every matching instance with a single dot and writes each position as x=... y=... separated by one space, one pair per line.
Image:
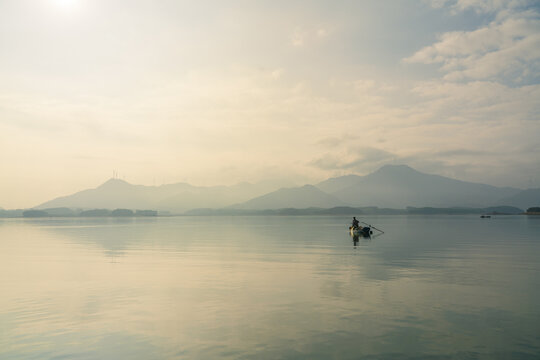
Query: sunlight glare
x=66 y=5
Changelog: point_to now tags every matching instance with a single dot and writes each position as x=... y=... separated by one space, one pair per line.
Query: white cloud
x=478 y=101
x=487 y=99
x=507 y=49
x=302 y=36
x=480 y=6
x=355 y=158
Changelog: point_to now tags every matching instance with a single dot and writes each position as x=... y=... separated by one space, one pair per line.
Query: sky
x=294 y=92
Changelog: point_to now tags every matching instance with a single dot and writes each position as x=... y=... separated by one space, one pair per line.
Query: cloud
x=486 y=100
x=477 y=101
x=302 y=36
x=472 y=131
x=329 y=141
x=481 y=6
x=353 y=159
x=463 y=152
x=507 y=49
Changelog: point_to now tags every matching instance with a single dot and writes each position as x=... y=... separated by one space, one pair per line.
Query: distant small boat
x=485 y=216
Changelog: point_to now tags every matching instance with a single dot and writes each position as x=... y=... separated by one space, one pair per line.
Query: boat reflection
x=359 y=240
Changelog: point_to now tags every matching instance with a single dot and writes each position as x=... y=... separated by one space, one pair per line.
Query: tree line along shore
x=67 y=212
x=343 y=210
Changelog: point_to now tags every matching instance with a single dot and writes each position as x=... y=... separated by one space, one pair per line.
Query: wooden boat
x=364 y=231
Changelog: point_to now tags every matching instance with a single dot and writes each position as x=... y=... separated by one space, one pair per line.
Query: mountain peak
x=112 y=182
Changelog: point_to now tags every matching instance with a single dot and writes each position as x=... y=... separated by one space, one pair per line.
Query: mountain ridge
x=298 y=197
x=391 y=186
x=399 y=186
x=177 y=197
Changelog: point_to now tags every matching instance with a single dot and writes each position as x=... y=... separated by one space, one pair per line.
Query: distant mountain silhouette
x=177 y=198
x=524 y=199
x=392 y=186
x=299 y=197
x=399 y=186
x=114 y=193
x=336 y=184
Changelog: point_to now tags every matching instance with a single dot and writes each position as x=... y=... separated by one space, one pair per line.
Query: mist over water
x=434 y=287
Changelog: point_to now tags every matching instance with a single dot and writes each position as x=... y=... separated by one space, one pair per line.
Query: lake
x=430 y=287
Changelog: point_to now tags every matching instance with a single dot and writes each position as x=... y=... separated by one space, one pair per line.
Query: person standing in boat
x=355 y=223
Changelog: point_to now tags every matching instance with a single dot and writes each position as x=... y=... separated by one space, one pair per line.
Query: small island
x=533 y=210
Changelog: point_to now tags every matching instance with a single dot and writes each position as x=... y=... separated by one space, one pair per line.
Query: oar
x=373 y=227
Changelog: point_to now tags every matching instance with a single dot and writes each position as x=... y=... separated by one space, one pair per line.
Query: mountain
x=392 y=186
x=399 y=186
x=176 y=198
x=336 y=184
x=303 y=197
x=112 y=194
x=523 y=199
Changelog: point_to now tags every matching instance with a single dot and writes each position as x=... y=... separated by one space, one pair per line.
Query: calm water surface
x=437 y=287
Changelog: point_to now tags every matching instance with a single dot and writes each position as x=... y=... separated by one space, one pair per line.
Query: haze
x=213 y=92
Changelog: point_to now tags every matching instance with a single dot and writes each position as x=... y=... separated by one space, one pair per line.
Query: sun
x=66 y=5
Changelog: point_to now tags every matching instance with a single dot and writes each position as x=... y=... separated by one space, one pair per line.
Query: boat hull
x=360 y=231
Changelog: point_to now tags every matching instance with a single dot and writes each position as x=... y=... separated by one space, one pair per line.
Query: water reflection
x=361 y=240
x=267 y=288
